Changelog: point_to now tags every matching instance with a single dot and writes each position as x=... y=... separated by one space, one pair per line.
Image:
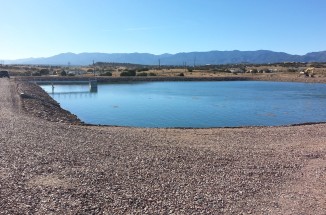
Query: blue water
x=195 y=104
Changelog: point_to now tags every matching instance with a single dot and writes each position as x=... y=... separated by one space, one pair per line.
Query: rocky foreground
x=52 y=164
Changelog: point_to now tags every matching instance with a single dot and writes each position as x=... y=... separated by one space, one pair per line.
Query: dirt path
x=58 y=168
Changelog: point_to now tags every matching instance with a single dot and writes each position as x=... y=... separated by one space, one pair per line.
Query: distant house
x=237 y=70
x=76 y=72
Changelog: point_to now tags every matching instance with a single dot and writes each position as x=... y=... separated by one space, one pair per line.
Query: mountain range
x=189 y=58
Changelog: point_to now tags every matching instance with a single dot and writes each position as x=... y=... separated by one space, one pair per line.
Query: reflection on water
x=73 y=95
x=194 y=104
x=70 y=92
x=64 y=88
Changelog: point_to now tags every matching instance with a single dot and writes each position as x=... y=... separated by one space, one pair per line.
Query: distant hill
x=190 y=58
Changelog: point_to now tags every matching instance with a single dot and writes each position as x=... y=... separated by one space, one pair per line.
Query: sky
x=43 y=28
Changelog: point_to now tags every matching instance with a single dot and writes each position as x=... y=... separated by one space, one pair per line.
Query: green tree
x=108 y=73
x=44 y=72
x=63 y=73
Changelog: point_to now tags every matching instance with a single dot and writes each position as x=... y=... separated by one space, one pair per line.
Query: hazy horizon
x=151 y=53
x=35 y=28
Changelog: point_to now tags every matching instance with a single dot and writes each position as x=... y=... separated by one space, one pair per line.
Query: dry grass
x=279 y=70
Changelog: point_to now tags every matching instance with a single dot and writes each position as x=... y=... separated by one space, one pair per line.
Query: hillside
x=190 y=58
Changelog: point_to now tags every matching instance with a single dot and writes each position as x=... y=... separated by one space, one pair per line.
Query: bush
x=181 y=74
x=63 y=73
x=142 y=74
x=125 y=73
x=36 y=73
x=44 y=72
x=128 y=73
x=142 y=69
x=151 y=74
x=106 y=74
x=189 y=69
x=132 y=72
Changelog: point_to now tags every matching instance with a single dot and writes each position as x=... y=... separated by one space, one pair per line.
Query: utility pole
x=159 y=63
x=94 y=67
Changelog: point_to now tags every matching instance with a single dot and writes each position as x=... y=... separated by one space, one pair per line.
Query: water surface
x=194 y=104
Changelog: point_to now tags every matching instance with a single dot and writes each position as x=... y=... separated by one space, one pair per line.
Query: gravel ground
x=55 y=165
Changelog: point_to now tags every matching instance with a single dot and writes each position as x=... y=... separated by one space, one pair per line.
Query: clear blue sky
x=42 y=28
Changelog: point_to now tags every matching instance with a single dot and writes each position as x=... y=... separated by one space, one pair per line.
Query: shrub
x=125 y=73
x=142 y=74
x=151 y=74
x=36 y=73
x=63 y=73
x=189 y=69
x=142 y=69
x=44 y=72
x=128 y=73
x=132 y=72
x=181 y=74
x=106 y=74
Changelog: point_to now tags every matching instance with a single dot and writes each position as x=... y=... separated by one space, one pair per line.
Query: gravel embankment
x=61 y=168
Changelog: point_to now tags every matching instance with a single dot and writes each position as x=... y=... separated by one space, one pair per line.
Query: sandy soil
x=50 y=166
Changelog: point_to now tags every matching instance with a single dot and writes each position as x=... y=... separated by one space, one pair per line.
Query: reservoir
x=195 y=104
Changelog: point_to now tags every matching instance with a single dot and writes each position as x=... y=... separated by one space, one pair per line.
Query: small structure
x=309 y=72
x=93 y=85
x=236 y=71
